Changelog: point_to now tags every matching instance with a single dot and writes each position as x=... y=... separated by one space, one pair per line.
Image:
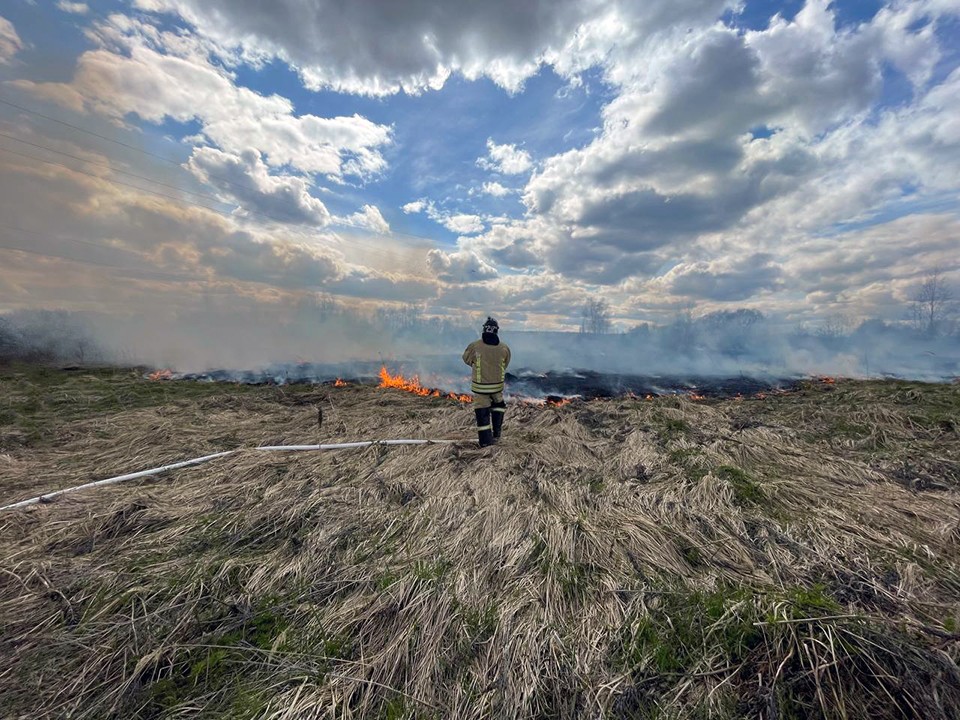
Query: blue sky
x=492 y=157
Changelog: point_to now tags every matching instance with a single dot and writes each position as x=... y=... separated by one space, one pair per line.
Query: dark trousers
x=489 y=417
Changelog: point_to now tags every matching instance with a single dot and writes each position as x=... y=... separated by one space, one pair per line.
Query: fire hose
x=207 y=458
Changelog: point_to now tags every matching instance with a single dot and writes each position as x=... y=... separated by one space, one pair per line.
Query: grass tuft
x=655 y=559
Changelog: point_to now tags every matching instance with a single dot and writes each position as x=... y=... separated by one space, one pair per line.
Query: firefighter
x=489 y=359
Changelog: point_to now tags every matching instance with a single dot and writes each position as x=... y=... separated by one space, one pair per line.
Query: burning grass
x=788 y=557
x=399 y=382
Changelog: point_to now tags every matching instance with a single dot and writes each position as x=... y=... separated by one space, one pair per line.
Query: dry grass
x=793 y=557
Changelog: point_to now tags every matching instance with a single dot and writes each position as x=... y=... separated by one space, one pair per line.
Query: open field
x=796 y=556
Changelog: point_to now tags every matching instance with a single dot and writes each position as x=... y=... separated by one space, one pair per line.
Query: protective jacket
x=489 y=363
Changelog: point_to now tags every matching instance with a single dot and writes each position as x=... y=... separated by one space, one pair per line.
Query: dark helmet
x=491 y=326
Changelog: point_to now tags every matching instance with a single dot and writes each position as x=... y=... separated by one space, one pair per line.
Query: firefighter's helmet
x=491 y=326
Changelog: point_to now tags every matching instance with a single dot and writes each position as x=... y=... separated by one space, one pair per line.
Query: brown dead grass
x=632 y=559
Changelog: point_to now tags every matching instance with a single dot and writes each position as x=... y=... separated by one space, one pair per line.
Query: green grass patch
x=431 y=570
x=36 y=401
x=686 y=628
x=746 y=491
x=691 y=461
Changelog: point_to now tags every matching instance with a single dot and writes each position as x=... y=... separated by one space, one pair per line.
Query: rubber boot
x=497 y=411
x=484 y=426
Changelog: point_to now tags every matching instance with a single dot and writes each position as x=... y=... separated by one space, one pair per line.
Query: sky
x=801 y=158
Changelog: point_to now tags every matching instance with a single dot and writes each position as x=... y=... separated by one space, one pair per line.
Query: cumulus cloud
x=729 y=165
x=120 y=230
x=462 y=223
x=76 y=8
x=113 y=248
x=10 y=42
x=390 y=287
x=282 y=265
x=368 y=217
x=459 y=267
x=417 y=46
x=717 y=137
x=246 y=180
x=160 y=75
x=506 y=159
x=901 y=250
x=495 y=189
x=415 y=206
x=725 y=279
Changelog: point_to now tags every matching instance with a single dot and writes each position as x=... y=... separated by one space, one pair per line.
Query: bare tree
x=401 y=319
x=932 y=303
x=595 y=317
x=835 y=326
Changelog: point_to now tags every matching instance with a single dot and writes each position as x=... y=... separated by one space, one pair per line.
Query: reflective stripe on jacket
x=489 y=363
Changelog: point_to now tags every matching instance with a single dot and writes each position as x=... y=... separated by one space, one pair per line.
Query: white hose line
x=207 y=458
x=362 y=443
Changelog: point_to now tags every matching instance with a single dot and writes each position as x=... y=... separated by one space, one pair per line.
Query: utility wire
x=145 y=271
x=178 y=164
x=111 y=180
x=149 y=272
x=71 y=238
x=107 y=165
x=354 y=241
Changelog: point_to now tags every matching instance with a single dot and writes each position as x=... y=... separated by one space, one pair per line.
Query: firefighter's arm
x=506 y=359
x=469 y=355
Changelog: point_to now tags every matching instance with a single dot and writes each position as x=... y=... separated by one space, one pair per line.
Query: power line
x=178 y=164
x=146 y=271
x=109 y=166
x=183 y=201
x=59 y=236
x=88 y=132
x=110 y=180
x=83 y=241
x=154 y=274
x=175 y=163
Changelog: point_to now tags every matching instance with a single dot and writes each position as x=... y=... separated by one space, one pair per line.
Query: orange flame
x=560 y=403
x=413 y=385
x=828 y=380
x=340 y=383
x=696 y=396
x=161 y=375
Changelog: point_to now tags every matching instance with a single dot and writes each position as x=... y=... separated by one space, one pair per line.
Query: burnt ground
x=586 y=384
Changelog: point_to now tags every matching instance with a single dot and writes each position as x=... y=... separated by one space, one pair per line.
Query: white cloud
x=506 y=159
x=77 y=8
x=161 y=75
x=246 y=180
x=676 y=176
x=140 y=235
x=114 y=249
x=418 y=46
x=415 y=207
x=726 y=166
x=368 y=217
x=462 y=223
x=495 y=189
x=725 y=279
x=10 y=42
x=459 y=267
